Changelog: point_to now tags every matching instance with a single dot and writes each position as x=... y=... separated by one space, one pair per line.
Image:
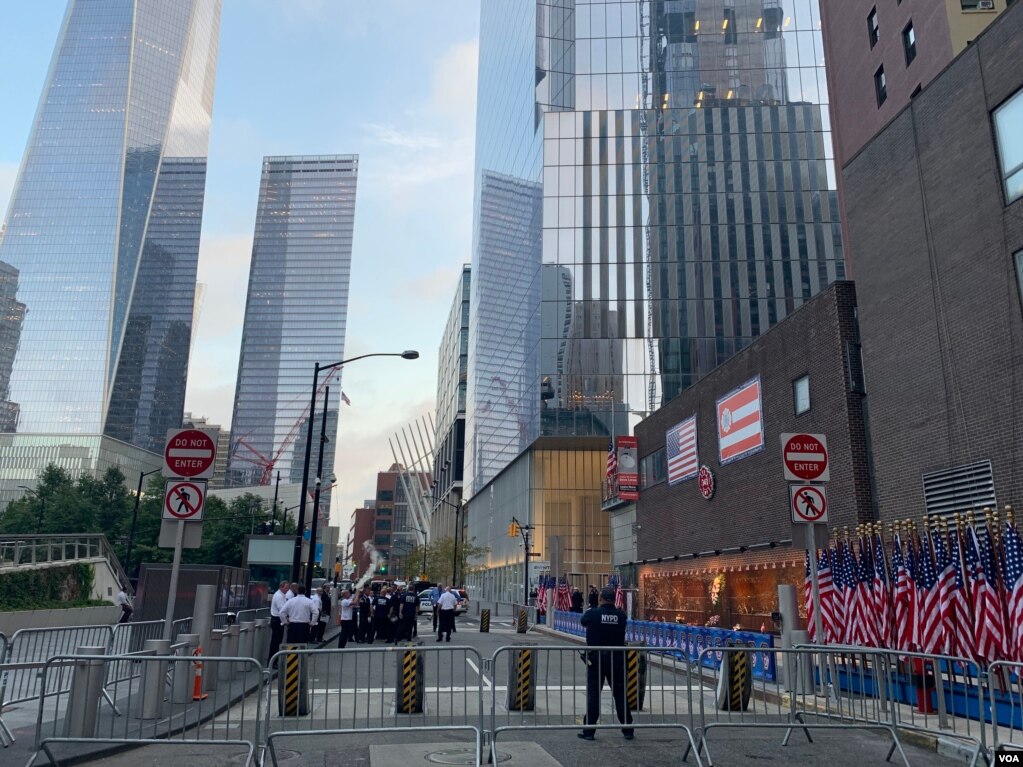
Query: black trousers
x=379 y=628
x=347 y=633
x=406 y=626
x=446 y=624
x=609 y=667
x=362 y=627
x=299 y=633
x=276 y=635
x=319 y=629
x=435 y=611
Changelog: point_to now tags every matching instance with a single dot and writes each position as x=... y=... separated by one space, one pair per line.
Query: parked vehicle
x=463 y=601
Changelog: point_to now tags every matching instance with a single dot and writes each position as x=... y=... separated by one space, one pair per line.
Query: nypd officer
x=409 y=607
x=605 y=627
x=380 y=628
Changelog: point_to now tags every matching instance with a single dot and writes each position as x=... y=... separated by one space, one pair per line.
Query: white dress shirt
x=346 y=609
x=300 y=610
x=317 y=602
x=277 y=603
x=447 y=601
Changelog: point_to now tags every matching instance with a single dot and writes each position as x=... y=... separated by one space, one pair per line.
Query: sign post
x=188 y=460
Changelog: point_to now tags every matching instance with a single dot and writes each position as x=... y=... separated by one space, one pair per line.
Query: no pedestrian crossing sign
x=809 y=504
x=190 y=453
x=184 y=500
x=805 y=457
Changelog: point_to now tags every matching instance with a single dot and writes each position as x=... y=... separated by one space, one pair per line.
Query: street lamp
x=296 y=563
x=135 y=516
x=42 y=503
x=455 y=557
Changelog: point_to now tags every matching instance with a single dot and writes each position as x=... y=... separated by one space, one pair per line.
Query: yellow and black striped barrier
x=292 y=687
x=521 y=679
x=522 y=620
x=411 y=677
x=735 y=685
x=485 y=620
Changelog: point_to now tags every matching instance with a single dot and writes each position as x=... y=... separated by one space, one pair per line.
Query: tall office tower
x=103 y=225
x=449 y=436
x=295 y=316
x=881 y=55
x=12 y=315
x=681 y=201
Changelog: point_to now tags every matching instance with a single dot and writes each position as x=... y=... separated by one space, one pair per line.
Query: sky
x=393 y=81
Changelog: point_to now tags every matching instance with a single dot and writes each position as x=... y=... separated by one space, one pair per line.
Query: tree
x=441 y=557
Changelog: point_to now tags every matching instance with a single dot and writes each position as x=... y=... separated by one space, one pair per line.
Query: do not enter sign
x=189 y=453
x=805 y=457
x=809 y=503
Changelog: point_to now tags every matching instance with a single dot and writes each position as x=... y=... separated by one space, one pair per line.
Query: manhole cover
x=282 y=755
x=461 y=756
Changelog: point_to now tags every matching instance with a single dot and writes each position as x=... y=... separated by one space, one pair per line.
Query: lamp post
x=135 y=517
x=42 y=503
x=296 y=563
x=316 y=495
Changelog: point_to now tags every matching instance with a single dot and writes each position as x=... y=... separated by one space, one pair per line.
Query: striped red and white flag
x=946 y=587
x=680 y=447
x=904 y=567
x=961 y=621
x=988 y=624
x=811 y=622
x=1012 y=576
x=740 y=425
x=928 y=609
x=882 y=595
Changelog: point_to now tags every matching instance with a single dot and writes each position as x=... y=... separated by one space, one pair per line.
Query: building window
x=909 y=43
x=977 y=5
x=653 y=469
x=728 y=27
x=384 y=510
x=382 y=540
x=801 y=394
x=383 y=524
x=385 y=495
x=880 y=86
x=872 y=28
x=1019 y=274
x=1009 y=131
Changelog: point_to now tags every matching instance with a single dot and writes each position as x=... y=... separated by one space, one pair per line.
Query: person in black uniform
x=408 y=607
x=395 y=615
x=365 y=613
x=605 y=627
x=592 y=599
x=577 y=601
x=381 y=625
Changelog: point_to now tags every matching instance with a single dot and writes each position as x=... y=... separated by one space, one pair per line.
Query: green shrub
x=46 y=588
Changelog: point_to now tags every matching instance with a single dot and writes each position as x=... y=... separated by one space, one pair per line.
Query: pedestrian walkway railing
x=400 y=688
x=16 y=550
x=252 y=615
x=162 y=704
x=1005 y=690
x=540 y=687
x=739 y=700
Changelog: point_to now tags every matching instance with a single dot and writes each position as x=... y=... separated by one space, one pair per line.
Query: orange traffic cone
x=197 y=693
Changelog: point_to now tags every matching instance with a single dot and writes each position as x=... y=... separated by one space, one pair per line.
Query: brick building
x=935 y=214
x=741 y=539
x=362 y=530
x=881 y=53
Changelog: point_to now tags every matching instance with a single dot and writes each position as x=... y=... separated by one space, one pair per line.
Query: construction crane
x=267 y=464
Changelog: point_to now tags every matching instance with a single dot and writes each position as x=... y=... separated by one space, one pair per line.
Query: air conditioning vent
x=985 y=5
x=959 y=490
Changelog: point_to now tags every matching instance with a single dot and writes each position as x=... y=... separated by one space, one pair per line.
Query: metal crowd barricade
x=180 y=626
x=155 y=710
x=31 y=647
x=130 y=638
x=220 y=620
x=244 y=616
x=662 y=697
x=1005 y=686
x=365 y=690
x=792 y=702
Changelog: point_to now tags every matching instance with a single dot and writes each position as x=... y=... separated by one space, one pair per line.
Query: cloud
x=454 y=82
x=390 y=136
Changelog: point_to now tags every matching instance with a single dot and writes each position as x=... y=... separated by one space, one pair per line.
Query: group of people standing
x=389 y=615
x=304 y=617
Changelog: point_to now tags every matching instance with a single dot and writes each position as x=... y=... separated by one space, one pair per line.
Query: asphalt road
x=360 y=688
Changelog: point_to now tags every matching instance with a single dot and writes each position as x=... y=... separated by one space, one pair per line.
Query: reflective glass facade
x=104 y=221
x=655 y=188
x=295 y=316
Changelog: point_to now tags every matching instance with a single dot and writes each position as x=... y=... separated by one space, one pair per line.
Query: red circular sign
x=184 y=501
x=190 y=453
x=806 y=457
x=705 y=481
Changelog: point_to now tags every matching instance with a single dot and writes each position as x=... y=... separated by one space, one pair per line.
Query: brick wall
x=940 y=313
x=750 y=505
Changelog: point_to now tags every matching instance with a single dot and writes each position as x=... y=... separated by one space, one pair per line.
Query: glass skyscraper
x=295 y=316
x=102 y=233
x=655 y=188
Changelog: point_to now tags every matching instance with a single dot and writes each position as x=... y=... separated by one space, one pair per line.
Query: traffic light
x=513 y=530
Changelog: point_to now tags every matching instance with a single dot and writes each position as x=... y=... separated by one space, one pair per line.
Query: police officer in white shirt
x=348 y=608
x=314 y=597
x=446 y=613
x=299 y=615
x=280 y=598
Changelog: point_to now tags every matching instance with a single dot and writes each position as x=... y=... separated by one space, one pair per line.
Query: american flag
x=946 y=593
x=615 y=582
x=612 y=463
x=882 y=603
x=963 y=644
x=928 y=610
x=851 y=634
x=988 y=627
x=563 y=598
x=837 y=604
x=683 y=458
x=826 y=584
x=865 y=619
x=904 y=565
x=1012 y=577
x=344 y=398
x=541 y=594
